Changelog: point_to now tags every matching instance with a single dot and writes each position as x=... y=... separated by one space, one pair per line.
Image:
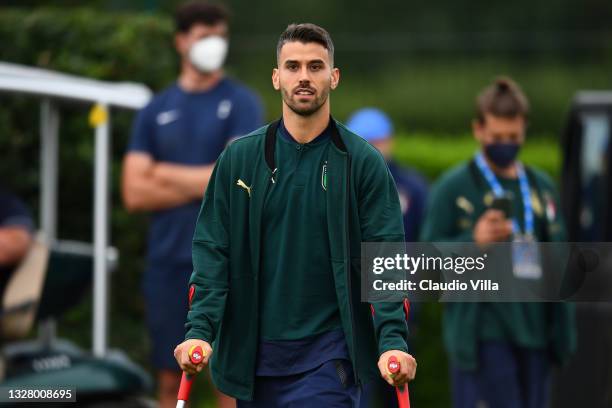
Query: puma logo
x=242 y=184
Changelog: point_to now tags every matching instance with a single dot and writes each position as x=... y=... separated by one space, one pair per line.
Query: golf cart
x=55 y=275
x=586 y=196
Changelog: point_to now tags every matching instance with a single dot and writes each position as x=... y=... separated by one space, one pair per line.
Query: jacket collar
x=270 y=143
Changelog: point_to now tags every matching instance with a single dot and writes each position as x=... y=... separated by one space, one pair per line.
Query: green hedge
x=434 y=153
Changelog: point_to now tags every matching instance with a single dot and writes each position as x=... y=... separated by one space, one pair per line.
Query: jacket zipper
x=348 y=259
x=271 y=175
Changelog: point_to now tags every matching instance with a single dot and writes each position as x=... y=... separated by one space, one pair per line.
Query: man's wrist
x=199 y=334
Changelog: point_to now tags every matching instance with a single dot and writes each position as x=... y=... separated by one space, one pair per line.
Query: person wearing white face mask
x=175 y=142
x=208 y=54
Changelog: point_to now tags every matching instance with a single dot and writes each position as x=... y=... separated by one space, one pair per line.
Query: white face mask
x=208 y=54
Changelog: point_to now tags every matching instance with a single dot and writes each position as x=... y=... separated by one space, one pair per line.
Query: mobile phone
x=503 y=204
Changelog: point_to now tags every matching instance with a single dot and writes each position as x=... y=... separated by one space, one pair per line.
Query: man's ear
x=525 y=129
x=275 y=79
x=477 y=129
x=179 y=43
x=335 y=78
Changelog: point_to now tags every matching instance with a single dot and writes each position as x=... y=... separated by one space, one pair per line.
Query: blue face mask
x=502 y=154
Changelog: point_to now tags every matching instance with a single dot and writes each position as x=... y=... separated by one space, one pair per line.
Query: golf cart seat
x=62 y=279
x=69 y=277
x=47 y=283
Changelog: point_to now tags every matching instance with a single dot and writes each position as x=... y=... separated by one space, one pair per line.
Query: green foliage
x=432 y=154
x=440 y=96
x=85 y=42
x=430 y=99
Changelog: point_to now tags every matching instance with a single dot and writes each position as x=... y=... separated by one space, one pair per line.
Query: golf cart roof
x=45 y=83
x=594 y=99
x=50 y=87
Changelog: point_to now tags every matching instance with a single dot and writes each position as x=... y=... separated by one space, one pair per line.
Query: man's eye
x=316 y=67
x=292 y=67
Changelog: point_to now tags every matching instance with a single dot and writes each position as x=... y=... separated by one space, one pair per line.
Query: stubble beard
x=309 y=110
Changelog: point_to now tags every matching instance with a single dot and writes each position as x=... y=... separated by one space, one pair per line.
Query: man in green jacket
x=500 y=352
x=275 y=292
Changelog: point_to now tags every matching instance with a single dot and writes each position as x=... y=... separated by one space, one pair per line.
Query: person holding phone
x=501 y=353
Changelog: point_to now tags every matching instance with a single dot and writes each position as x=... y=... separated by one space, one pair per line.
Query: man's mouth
x=304 y=91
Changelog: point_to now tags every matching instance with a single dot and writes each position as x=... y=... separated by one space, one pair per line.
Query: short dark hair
x=503 y=98
x=199 y=12
x=306 y=33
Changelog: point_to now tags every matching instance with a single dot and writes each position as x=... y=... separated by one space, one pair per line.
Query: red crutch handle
x=196 y=355
x=403 y=396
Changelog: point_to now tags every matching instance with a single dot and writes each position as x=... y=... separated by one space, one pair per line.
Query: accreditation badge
x=526 y=262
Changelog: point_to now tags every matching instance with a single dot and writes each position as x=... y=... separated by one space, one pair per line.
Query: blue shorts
x=166 y=301
x=331 y=385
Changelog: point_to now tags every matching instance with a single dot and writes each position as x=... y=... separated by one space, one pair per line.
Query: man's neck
x=506 y=172
x=306 y=128
x=191 y=80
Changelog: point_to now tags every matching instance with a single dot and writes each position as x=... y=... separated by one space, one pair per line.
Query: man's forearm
x=151 y=195
x=190 y=180
x=390 y=325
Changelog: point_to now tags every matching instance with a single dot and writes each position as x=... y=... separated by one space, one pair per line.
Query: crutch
x=196 y=355
x=393 y=365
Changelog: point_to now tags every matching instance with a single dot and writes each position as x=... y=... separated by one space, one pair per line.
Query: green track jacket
x=362 y=205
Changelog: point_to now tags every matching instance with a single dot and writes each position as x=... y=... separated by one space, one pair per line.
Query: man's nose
x=304 y=74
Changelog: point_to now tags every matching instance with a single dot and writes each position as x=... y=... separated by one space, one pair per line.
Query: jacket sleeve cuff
x=392 y=344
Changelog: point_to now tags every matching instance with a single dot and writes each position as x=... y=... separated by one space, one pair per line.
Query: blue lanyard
x=499 y=191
